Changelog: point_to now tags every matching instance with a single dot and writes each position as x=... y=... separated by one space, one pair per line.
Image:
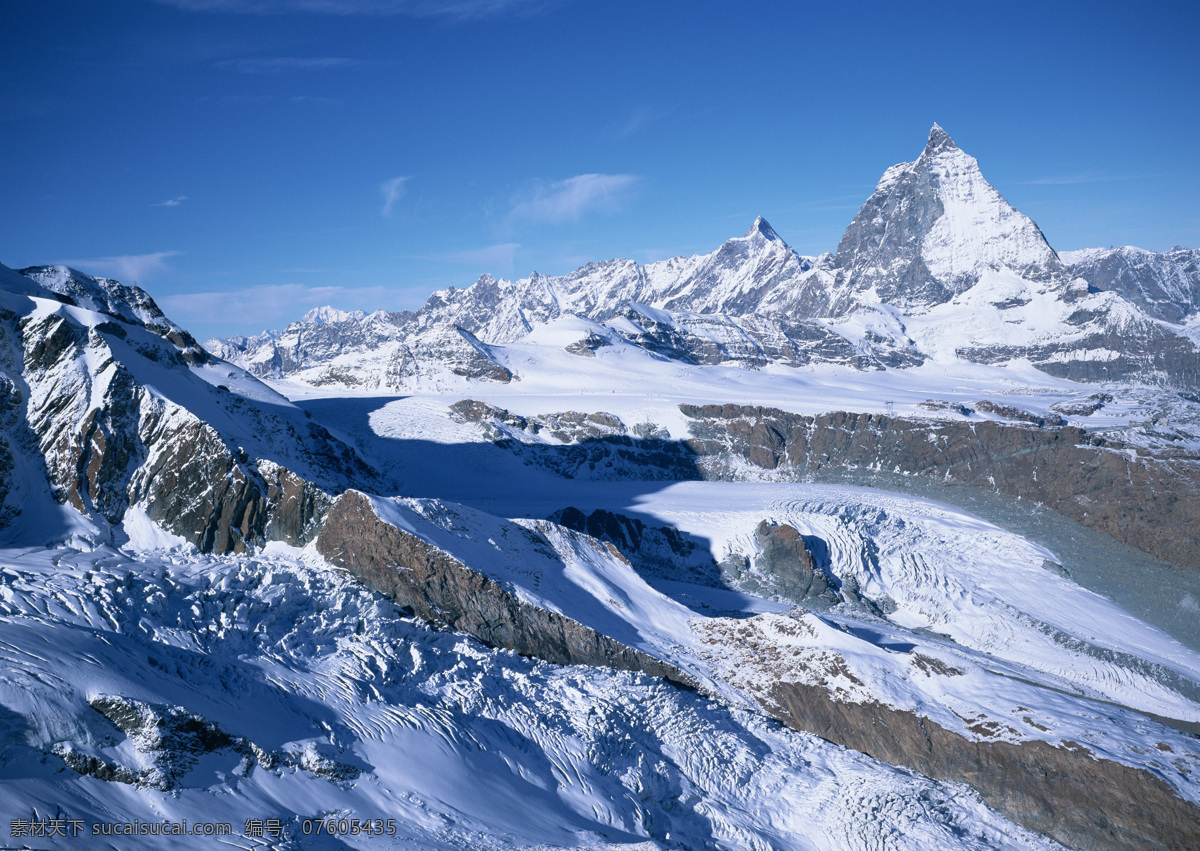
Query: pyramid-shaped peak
x=939 y=140
x=763 y=227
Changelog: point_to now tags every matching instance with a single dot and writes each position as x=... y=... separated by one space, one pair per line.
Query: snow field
x=461 y=745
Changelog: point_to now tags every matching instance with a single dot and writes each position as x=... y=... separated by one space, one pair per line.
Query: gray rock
x=438 y=588
x=1149 y=500
x=789 y=568
x=1166 y=285
x=1065 y=792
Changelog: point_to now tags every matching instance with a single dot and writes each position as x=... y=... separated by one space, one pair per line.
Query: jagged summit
x=939 y=140
x=762 y=227
x=327 y=314
x=932 y=228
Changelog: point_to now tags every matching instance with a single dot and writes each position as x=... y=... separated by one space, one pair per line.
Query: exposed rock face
x=786 y=559
x=784 y=569
x=1067 y=793
x=195 y=487
x=129 y=304
x=451 y=347
x=754 y=340
x=1010 y=412
x=660 y=551
x=172 y=740
x=1052 y=785
x=588 y=346
x=1149 y=501
x=1110 y=350
x=319 y=337
x=1166 y=285
x=392 y=349
x=593 y=445
x=74 y=406
x=931 y=227
x=437 y=587
x=1083 y=407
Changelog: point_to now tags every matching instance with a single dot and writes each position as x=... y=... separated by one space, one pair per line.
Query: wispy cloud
x=569 y=200
x=171 y=202
x=456 y=9
x=392 y=190
x=635 y=120
x=500 y=256
x=127 y=268
x=286 y=64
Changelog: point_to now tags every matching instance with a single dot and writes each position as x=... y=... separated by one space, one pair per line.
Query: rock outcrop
x=1053 y=785
x=1148 y=500
x=1165 y=285
x=790 y=567
x=80 y=404
x=169 y=741
x=1065 y=792
x=439 y=588
x=596 y=445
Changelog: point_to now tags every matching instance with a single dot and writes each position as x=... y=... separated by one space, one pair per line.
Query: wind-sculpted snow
x=310 y=698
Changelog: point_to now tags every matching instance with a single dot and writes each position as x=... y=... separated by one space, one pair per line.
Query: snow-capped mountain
x=936 y=265
x=1165 y=285
x=110 y=405
x=930 y=231
x=742 y=550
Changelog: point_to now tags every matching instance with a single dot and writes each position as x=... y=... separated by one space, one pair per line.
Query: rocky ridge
x=1147 y=500
x=434 y=585
x=1166 y=285
x=81 y=412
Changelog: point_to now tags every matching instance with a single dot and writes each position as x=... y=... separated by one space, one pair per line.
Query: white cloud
x=280 y=64
x=171 y=202
x=568 y=200
x=126 y=268
x=458 y=9
x=392 y=190
x=495 y=256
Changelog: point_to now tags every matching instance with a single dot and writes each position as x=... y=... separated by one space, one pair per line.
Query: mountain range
x=936 y=265
x=888 y=547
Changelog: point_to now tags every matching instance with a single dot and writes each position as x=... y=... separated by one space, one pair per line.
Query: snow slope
x=373 y=716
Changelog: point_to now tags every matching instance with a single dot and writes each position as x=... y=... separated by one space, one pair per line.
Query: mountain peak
x=933 y=227
x=939 y=140
x=763 y=227
x=326 y=315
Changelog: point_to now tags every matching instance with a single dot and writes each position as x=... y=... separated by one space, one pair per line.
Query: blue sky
x=245 y=160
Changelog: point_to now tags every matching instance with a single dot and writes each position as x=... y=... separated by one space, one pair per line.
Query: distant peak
x=325 y=315
x=939 y=140
x=762 y=226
